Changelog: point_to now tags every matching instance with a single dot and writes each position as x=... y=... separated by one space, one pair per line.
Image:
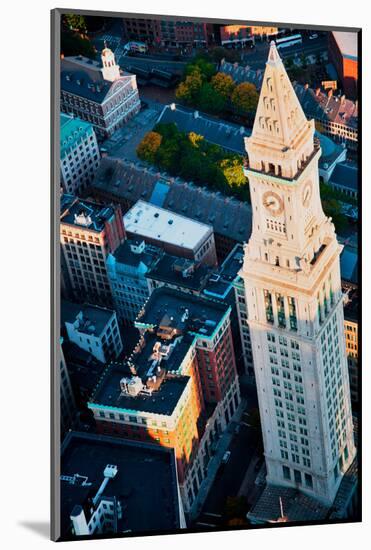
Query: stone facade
x=294 y=300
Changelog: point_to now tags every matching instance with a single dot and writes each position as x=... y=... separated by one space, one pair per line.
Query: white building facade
x=294 y=300
x=79 y=154
x=96 y=331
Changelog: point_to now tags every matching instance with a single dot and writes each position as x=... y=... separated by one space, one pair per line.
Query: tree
x=233 y=171
x=149 y=146
x=303 y=60
x=245 y=97
x=219 y=53
x=195 y=139
x=73 y=44
x=188 y=89
x=200 y=65
x=75 y=22
x=210 y=100
x=223 y=84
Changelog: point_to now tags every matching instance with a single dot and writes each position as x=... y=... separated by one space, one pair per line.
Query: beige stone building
x=294 y=300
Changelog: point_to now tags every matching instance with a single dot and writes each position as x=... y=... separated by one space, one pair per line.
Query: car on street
x=226 y=457
x=313 y=36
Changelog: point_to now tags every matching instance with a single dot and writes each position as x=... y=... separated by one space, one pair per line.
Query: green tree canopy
x=73 y=44
x=223 y=84
x=202 y=66
x=210 y=100
x=245 y=97
x=75 y=22
x=188 y=90
x=149 y=146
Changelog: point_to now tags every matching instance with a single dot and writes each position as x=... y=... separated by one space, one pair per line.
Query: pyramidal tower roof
x=279 y=120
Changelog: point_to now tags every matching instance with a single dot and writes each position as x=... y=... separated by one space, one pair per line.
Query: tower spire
x=280 y=125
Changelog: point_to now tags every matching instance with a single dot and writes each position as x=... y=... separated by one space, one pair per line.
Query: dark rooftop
x=345 y=175
x=125 y=255
x=94 y=318
x=145 y=484
x=180 y=272
x=85 y=213
x=222 y=280
x=296 y=506
x=349 y=264
x=183 y=312
x=163 y=401
x=128 y=182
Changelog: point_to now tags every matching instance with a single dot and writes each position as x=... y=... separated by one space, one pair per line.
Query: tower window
x=292 y=314
x=286 y=472
x=268 y=306
x=281 y=310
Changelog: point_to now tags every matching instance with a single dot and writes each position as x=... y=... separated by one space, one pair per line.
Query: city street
x=230 y=476
x=257 y=57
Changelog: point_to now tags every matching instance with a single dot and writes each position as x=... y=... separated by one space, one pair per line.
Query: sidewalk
x=215 y=461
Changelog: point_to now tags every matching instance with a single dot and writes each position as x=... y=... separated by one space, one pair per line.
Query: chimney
x=318 y=91
x=196 y=114
x=342 y=99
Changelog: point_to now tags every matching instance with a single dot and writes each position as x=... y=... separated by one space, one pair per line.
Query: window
x=297 y=476
x=308 y=481
x=268 y=306
x=286 y=472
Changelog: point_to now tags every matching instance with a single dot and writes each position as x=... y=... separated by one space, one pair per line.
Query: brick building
x=168 y=32
x=125 y=182
x=176 y=234
x=343 y=52
x=179 y=388
x=88 y=233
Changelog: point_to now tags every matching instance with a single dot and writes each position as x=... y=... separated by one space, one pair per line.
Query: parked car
x=226 y=457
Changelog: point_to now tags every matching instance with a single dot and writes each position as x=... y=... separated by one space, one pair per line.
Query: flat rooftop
x=151 y=221
x=222 y=280
x=145 y=484
x=124 y=254
x=94 y=318
x=84 y=213
x=347 y=43
x=163 y=401
x=179 y=271
x=182 y=312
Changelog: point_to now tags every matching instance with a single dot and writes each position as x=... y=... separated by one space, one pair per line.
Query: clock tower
x=292 y=283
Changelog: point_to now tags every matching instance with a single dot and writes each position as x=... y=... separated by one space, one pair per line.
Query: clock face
x=307 y=193
x=273 y=203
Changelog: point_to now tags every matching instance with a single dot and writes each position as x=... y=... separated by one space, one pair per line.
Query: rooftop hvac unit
x=131 y=386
